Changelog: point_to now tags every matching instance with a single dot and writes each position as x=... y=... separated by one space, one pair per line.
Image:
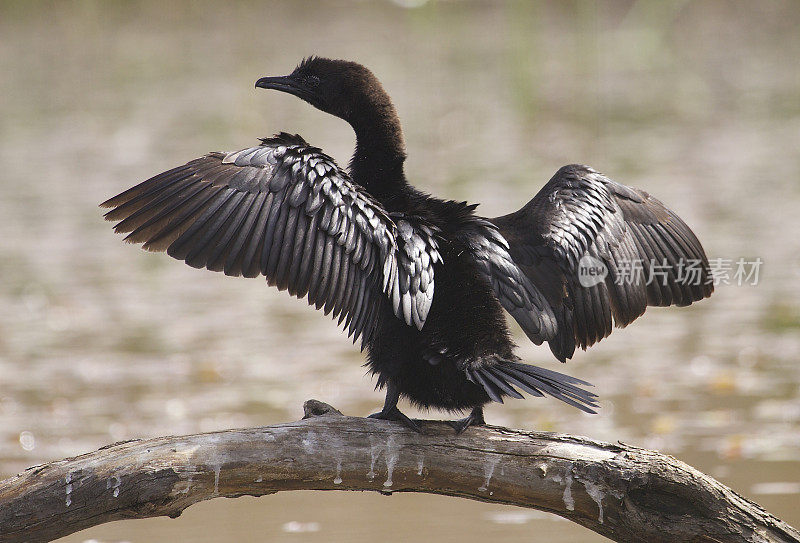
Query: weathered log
x=623 y=492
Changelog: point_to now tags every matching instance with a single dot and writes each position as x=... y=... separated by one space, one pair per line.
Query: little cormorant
x=369 y=247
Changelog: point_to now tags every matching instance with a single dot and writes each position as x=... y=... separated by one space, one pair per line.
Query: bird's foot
x=475 y=418
x=397 y=415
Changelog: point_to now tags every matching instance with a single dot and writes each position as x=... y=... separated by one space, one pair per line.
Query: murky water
x=696 y=102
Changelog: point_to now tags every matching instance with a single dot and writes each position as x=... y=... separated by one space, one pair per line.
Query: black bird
x=422 y=281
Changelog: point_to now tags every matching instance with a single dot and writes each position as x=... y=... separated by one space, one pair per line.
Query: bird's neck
x=377 y=163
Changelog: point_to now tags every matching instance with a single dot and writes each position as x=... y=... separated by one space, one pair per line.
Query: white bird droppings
x=114 y=483
x=68 y=480
x=310 y=442
x=569 y=501
x=338 y=479
x=184 y=486
x=216 y=478
x=392 y=453
x=488 y=471
x=594 y=491
x=374 y=452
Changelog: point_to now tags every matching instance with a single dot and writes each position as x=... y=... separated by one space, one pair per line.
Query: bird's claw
x=475 y=418
x=397 y=415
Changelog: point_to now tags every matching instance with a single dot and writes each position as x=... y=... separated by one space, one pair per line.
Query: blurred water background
x=697 y=102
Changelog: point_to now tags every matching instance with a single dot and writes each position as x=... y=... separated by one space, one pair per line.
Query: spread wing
x=285 y=210
x=516 y=292
x=582 y=223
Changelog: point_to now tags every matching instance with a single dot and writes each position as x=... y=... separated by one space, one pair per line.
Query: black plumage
x=421 y=281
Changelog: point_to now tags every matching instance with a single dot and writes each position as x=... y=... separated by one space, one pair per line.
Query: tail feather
x=499 y=380
x=519 y=383
x=567 y=393
x=494 y=393
x=507 y=389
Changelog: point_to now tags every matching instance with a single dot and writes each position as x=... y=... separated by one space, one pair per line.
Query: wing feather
x=643 y=245
x=251 y=260
x=225 y=245
x=285 y=210
x=516 y=292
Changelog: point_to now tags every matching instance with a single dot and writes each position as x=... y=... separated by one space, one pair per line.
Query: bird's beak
x=284 y=83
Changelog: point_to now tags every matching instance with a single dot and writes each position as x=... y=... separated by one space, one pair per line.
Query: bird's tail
x=501 y=378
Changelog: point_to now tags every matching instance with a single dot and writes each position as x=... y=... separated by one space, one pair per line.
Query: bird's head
x=342 y=88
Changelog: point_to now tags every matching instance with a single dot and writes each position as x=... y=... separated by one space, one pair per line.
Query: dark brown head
x=345 y=89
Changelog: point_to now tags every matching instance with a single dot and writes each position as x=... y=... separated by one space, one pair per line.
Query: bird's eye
x=311 y=81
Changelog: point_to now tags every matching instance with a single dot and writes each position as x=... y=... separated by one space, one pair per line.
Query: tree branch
x=622 y=492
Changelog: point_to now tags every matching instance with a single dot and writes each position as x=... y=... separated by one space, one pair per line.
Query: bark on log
x=623 y=492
